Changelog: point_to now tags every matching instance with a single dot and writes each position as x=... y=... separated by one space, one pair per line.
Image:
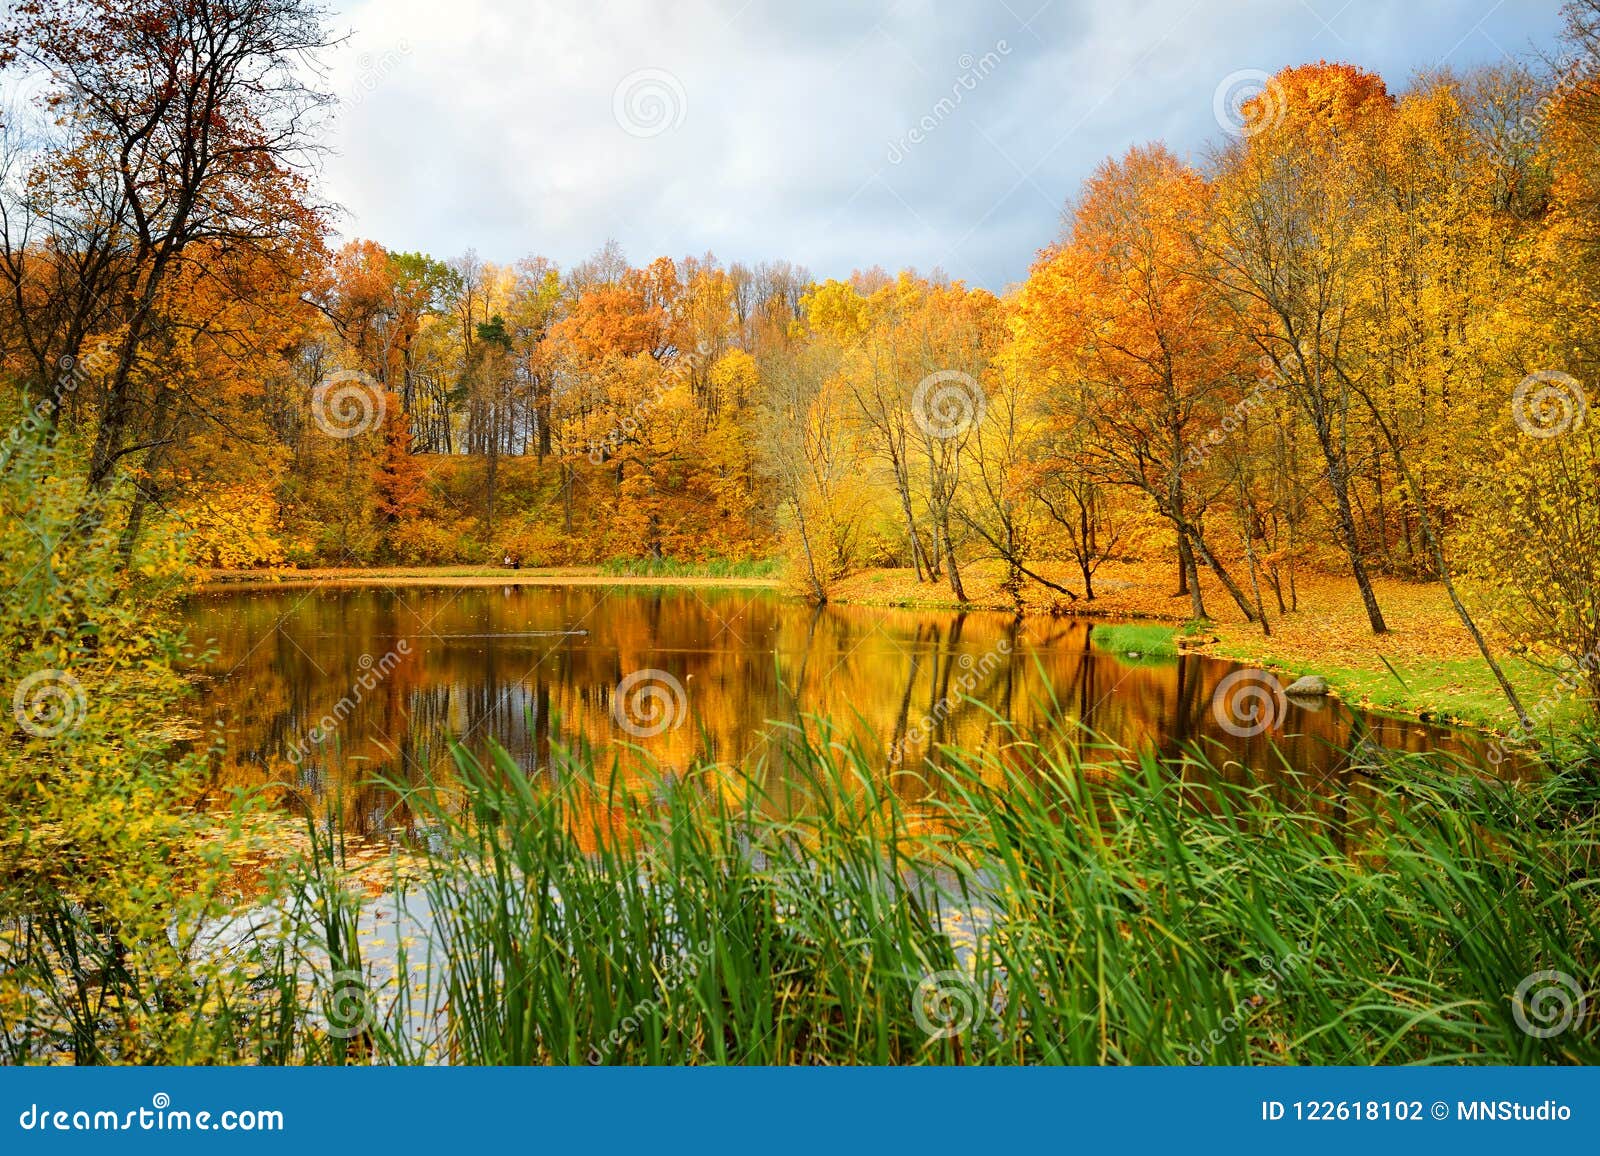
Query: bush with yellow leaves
x=1533 y=544
x=109 y=864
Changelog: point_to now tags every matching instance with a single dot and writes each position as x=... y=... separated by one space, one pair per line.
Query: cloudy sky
x=836 y=135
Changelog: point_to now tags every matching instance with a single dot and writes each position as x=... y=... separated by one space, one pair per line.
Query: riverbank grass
x=706 y=568
x=1458 y=691
x=1017 y=905
x=1136 y=639
x=1441 y=675
x=1018 y=910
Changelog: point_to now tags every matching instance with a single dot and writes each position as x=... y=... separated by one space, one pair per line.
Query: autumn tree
x=1535 y=523
x=954 y=333
x=999 y=502
x=532 y=313
x=1427 y=319
x=866 y=329
x=203 y=115
x=1289 y=207
x=401 y=475
x=808 y=452
x=1128 y=314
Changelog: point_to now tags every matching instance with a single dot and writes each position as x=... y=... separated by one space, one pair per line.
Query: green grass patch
x=705 y=568
x=1133 y=917
x=1147 y=640
x=1458 y=691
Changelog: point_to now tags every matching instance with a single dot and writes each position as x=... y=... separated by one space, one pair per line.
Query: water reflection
x=324 y=689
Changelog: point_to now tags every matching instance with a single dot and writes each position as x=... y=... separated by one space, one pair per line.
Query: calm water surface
x=322 y=689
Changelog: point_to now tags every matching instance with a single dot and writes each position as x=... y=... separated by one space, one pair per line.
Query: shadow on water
x=326 y=689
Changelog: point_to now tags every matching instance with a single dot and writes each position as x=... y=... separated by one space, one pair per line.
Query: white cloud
x=489 y=123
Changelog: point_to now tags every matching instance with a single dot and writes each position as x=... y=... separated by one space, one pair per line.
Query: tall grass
x=1025 y=909
x=1016 y=905
x=586 y=925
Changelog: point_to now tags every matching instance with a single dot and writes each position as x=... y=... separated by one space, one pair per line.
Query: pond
x=321 y=690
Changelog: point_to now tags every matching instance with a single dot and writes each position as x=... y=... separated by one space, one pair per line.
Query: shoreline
x=418 y=576
x=1426 y=667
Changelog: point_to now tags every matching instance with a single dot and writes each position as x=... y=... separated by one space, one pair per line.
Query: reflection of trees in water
x=498 y=664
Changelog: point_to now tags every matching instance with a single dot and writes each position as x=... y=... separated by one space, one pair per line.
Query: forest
x=1352 y=336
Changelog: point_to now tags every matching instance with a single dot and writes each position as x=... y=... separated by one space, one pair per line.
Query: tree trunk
x=950 y=566
x=541 y=409
x=1188 y=579
x=911 y=527
x=1255 y=585
x=1222 y=574
x=819 y=592
x=128 y=540
x=1352 y=545
x=1086 y=554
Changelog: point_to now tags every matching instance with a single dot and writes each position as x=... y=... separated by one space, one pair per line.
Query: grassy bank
x=1136 y=639
x=762 y=568
x=1016 y=908
x=1427 y=665
x=1458 y=691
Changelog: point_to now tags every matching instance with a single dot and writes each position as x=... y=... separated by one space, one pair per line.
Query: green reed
x=1036 y=901
x=1016 y=906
